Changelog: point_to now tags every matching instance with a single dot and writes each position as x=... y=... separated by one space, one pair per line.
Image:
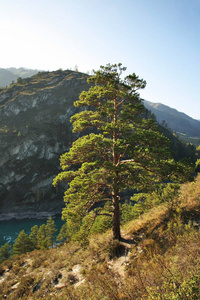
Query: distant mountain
x=182 y=124
x=23 y=72
x=6 y=77
x=11 y=74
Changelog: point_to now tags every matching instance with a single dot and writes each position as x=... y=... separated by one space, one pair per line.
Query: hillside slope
x=177 y=121
x=35 y=130
x=158 y=258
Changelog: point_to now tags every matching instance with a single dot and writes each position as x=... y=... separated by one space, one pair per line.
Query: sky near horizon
x=159 y=40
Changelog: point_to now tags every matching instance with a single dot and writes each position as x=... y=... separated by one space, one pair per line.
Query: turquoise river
x=9 y=230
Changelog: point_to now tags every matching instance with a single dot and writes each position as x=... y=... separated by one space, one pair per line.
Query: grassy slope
x=157 y=259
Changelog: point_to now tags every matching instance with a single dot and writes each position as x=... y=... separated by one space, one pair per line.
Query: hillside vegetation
x=157 y=258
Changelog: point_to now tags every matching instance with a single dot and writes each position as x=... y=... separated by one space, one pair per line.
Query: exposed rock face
x=35 y=130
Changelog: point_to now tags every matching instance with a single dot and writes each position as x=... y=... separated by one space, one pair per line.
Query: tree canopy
x=124 y=151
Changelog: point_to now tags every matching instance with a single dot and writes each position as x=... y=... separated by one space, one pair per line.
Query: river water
x=9 y=230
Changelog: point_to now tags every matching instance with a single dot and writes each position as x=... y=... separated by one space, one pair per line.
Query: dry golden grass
x=162 y=260
x=190 y=194
x=148 y=220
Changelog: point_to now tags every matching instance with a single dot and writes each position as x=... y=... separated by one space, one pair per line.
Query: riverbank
x=29 y=215
x=10 y=229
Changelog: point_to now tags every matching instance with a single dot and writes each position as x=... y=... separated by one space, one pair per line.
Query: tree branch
x=104 y=214
x=121 y=102
x=125 y=161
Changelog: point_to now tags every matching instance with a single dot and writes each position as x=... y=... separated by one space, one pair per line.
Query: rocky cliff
x=35 y=129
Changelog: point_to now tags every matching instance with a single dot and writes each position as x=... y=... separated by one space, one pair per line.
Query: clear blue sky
x=159 y=40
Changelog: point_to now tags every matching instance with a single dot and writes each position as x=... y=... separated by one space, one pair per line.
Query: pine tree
x=42 y=237
x=51 y=230
x=34 y=237
x=5 y=252
x=22 y=243
x=62 y=236
x=124 y=151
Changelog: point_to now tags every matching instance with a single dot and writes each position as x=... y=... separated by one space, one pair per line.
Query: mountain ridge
x=179 y=122
x=163 y=107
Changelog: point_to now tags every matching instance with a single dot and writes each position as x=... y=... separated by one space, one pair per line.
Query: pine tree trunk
x=115 y=194
x=116 y=218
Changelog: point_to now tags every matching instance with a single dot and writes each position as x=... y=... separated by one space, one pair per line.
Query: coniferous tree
x=126 y=151
x=5 y=252
x=22 y=243
x=51 y=230
x=62 y=236
x=42 y=237
x=34 y=237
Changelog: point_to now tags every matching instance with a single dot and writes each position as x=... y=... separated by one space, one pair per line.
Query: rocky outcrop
x=35 y=130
